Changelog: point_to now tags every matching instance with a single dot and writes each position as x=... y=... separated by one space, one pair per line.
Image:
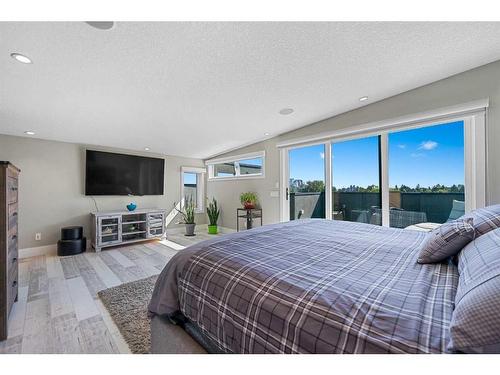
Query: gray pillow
x=475 y=323
x=485 y=219
x=446 y=240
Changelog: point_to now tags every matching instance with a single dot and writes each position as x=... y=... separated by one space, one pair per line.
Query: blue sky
x=189 y=178
x=425 y=156
x=257 y=161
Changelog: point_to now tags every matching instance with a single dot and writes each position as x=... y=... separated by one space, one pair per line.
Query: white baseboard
x=37 y=251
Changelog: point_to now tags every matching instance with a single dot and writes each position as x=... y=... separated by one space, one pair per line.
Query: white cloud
x=401 y=146
x=322 y=155
x=428 y=145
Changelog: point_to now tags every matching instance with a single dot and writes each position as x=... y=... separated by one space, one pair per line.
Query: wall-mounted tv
x=107 y=173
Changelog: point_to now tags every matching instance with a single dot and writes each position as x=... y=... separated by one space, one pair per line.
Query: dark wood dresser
x=8 y=242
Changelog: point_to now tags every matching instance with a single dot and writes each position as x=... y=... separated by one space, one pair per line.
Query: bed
x=308 y=286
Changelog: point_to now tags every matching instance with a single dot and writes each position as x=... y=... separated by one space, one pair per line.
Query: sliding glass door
x=426 y=174
x=306 y=185
x=356 y=194
x=398 y=178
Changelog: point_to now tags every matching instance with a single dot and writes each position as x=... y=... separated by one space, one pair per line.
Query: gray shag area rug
x=128 y=306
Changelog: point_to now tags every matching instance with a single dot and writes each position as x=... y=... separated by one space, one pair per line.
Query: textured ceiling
x=198 y=89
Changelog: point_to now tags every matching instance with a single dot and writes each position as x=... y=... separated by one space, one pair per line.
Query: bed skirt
x=183 y=337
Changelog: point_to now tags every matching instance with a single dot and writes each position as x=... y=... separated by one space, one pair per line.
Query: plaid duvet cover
x=312 y=286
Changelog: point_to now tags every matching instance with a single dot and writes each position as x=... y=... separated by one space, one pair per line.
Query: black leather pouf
x=71 y=233
x=72 y=241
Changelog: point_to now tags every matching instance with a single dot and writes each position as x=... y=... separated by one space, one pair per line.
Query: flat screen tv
x=107 y=173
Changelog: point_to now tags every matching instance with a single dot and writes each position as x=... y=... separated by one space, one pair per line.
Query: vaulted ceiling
x=198 y=89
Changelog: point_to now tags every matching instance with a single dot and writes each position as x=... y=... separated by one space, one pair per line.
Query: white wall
x=475 y=84
x=51 y=187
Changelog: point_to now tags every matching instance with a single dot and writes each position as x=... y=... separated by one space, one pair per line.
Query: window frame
x=474 y=117
x=236 y=159
x=200 y=187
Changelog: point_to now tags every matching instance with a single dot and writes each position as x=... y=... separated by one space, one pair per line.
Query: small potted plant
x=188 y=215
x=213 y=213
x=248 y=200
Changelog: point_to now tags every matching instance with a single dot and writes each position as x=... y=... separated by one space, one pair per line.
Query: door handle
x=287 y=194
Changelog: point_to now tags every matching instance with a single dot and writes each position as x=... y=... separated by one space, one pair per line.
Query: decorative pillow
x=475 y=323
x=446 y=240
x=485 y=219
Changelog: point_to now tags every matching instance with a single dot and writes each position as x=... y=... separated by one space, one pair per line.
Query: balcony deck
x=360 y=206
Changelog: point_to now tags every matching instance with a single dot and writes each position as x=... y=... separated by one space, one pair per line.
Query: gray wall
x=475 y=84
x=51 y=191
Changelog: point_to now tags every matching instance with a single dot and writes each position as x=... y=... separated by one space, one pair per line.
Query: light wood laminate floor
x=58 y=310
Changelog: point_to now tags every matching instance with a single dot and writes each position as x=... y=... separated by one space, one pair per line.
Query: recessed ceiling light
x=363 y=98
x=21 y=58
x=29 y=132
x=266 y=134
x=286 y=111
x=146 y=148
x=101 y=25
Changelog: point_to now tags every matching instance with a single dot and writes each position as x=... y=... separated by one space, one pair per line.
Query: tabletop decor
x=248 y=200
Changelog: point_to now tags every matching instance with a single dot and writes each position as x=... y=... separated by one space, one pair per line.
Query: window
x=423 y=168
x=193 y=186
x=190 y=186
x=306 y=193
x=356 y=193
x=241 y=166
x=249 y=166
x=426 y=174
x=224 y=170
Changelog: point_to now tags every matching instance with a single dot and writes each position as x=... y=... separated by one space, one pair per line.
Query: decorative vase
x=249 y=205
x=131 y=207
x=212 y=229
x=190 y=229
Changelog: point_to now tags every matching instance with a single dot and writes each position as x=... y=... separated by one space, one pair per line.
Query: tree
x=372 y=189
x=313 y=186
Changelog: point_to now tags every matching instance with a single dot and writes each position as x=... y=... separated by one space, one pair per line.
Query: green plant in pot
x=187 y=214
x=248 y=200
x=213 y=213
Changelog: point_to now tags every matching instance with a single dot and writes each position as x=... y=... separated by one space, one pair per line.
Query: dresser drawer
x=12 y=237
x=12 y=258
x=13 y=215
x=12 y=188
x=12 y=286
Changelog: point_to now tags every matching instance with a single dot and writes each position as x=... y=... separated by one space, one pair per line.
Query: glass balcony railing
x=405 y=208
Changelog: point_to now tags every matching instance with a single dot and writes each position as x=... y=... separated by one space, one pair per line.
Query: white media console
x=122 y=227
